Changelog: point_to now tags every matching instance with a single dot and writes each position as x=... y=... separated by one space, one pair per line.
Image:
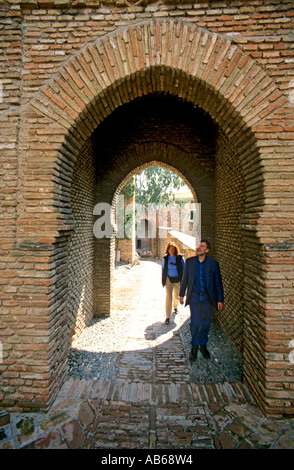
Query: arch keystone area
x=102 y=66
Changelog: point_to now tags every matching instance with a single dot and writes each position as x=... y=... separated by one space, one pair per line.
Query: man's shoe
x=205 y=352
x=176 y=311
x=166 y=321
x=193 y=354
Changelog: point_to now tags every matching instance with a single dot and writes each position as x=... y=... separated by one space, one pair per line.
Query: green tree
x=155 y=184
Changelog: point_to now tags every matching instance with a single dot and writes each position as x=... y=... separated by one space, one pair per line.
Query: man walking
x=203 y=282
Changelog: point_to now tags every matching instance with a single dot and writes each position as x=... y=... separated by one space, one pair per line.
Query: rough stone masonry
x=91 y=93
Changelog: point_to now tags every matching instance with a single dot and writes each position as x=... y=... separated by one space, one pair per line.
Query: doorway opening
x=160 y=130
x=154 y=207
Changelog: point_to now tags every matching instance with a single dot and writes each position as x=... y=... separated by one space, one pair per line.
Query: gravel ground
x=226 y=362
x=96 y=351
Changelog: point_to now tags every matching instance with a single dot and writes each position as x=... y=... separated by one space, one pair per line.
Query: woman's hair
x=169 y=245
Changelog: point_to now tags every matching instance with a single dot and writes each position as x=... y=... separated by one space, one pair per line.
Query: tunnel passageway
x=135 y=344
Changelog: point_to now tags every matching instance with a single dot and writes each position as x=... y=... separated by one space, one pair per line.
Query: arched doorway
x=155 y=186
x=210 y=74
x=164 y=130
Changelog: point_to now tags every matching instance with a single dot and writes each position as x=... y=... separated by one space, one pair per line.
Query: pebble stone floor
x=96 y=352
x=130 y=385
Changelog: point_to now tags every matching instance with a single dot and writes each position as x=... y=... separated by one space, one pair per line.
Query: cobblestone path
x=148 y=398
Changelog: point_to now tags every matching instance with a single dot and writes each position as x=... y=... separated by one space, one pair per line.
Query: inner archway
x=154 y=198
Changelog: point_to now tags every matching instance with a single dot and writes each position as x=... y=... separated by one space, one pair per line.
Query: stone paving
x=149 y=398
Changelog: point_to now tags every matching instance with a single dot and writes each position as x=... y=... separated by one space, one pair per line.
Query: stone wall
x=230 y=205
x=69 y=65
x=81 y=244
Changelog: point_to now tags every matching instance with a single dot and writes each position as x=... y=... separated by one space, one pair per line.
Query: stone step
x=153 y=394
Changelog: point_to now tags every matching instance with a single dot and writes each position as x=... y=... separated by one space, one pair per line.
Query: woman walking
x=172 y=272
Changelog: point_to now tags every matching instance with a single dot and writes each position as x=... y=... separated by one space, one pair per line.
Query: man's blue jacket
x=213 y=280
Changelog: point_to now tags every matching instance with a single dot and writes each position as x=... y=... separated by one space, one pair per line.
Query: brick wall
x=63 y=72
x=81 y=243
x=230 y=205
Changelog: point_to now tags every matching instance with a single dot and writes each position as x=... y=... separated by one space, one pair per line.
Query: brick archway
x=126 y=165
x=155 y=163
x=182 y=60
x=137 y=170
x=203 y=68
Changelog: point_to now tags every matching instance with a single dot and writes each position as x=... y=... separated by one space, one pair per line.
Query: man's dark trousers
x=201 y=314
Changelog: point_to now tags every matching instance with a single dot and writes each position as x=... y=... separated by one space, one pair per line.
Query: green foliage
x=155 y=184
x=129 y=189
x=152 y=186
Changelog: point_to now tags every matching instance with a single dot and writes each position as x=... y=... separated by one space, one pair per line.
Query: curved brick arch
x=160 y=163
x=141 y=167
x=185 y=49
x=173 y=57
x=181 y=59
x=155 y=163
x=160 y=154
